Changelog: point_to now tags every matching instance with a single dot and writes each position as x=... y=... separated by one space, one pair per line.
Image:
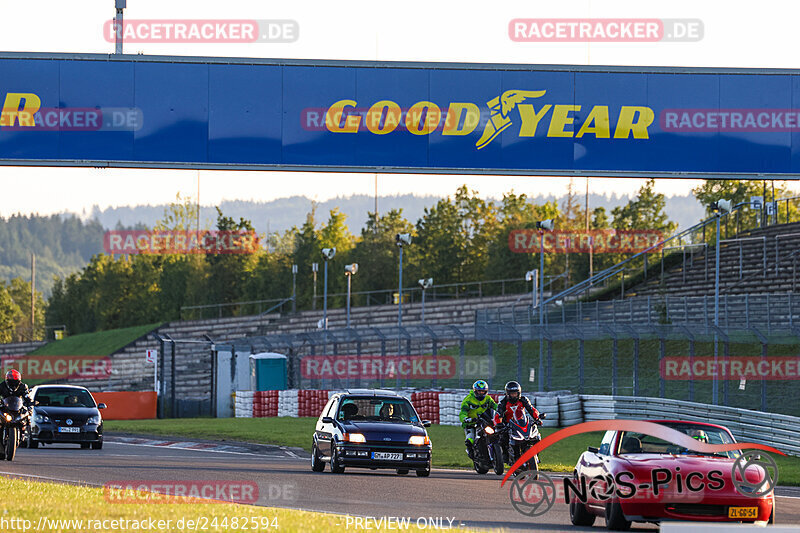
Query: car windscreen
x=376 y=409
x=64 y=398
x=638 y=443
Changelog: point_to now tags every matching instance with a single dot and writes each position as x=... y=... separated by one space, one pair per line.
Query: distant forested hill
x=62 y=244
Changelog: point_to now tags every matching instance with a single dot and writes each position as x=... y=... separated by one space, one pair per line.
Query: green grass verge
x=448 y=441
x=62 y=505
x=100 y=343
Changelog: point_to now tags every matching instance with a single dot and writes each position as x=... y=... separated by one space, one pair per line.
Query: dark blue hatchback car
x=371 y=429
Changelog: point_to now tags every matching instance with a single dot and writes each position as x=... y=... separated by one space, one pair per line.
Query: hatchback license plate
x=69 y=430
x=743 y=512
x=386 y=456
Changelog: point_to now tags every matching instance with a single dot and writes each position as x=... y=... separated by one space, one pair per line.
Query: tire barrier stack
x=265 y=403
x=243 y=403
x=440 y=407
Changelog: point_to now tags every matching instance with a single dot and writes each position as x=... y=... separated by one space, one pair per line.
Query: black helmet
x=513 y=391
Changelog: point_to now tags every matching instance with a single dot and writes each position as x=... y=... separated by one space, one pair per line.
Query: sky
x=735 y=34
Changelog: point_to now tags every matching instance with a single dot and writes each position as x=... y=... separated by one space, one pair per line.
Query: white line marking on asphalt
x=207 y=451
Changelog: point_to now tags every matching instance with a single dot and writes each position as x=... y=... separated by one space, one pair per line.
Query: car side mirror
x=426 y=423
x=101 y=406
x=593 y=449
x=327 y=420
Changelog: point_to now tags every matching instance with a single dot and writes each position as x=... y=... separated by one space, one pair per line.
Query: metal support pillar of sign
x=118 y=25
x=715 y=381
x=400 y=291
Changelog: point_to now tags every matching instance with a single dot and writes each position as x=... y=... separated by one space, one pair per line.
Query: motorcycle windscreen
x=13 y=404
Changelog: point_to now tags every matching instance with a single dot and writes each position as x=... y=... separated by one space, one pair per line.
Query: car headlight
x=41 y=418
x=354 y=437
x=94 y=420
x=489 y=431
x=419 y=440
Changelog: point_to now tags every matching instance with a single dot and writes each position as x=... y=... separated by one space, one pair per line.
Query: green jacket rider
x=474 y=405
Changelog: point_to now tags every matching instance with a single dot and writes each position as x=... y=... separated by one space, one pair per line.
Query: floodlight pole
x=294 y=288
x=349 y=279
x=423 y=305
x=400 y=292
x=325 y=298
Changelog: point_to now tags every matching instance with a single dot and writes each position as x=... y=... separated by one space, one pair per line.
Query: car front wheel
x=317 y=464
x=336 y=468
x=615 y=518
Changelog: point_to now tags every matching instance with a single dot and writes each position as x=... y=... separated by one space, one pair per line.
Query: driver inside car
x=349 y=411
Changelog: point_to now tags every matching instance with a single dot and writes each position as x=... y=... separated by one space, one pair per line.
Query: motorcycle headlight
x=8 y=417
x=41 y=418
x=419 y=440
x=489 y=431
x=95 y=420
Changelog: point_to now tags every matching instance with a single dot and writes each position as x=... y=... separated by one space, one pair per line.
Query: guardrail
x=780 y=431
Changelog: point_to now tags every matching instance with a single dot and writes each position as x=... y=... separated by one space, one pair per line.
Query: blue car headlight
x=41 y=418
x=94 y=420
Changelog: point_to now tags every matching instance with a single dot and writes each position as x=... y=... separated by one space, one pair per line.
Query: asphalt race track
x=286 y=480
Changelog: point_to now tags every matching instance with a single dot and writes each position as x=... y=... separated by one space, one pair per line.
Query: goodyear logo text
x=520 y=106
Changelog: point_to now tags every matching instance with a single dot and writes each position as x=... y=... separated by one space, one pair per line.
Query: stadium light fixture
x=425 y=283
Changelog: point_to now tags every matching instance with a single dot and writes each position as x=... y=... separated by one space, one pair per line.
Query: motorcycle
x=487 y=453
x=523 y=433
x=14 y=417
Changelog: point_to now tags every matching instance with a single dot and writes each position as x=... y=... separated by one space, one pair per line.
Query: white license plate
x=386 y=456
x=69 y=430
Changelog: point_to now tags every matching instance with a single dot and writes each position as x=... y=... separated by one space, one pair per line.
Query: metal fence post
x=636 y=366
x=580 y=366
x=173 y=396
x=763 y=381
x=519 y=360
x=461 y=349
x=691 y=360
x=549 y=364
x=661 y=350
x=614 y=365
x=490 y=353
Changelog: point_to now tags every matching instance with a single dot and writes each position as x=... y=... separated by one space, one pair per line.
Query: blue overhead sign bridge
x=164 y=112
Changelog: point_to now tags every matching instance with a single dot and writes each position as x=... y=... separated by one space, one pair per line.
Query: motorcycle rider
x=512 y=407
x=13 y=386
x=472 y=406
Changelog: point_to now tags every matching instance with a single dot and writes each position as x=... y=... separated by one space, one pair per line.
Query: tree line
x=462 y=238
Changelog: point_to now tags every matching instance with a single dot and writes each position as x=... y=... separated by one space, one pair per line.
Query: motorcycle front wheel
x=11 y=442
x=497 y=459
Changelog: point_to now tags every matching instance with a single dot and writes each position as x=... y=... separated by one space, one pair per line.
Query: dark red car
x=633 y=477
